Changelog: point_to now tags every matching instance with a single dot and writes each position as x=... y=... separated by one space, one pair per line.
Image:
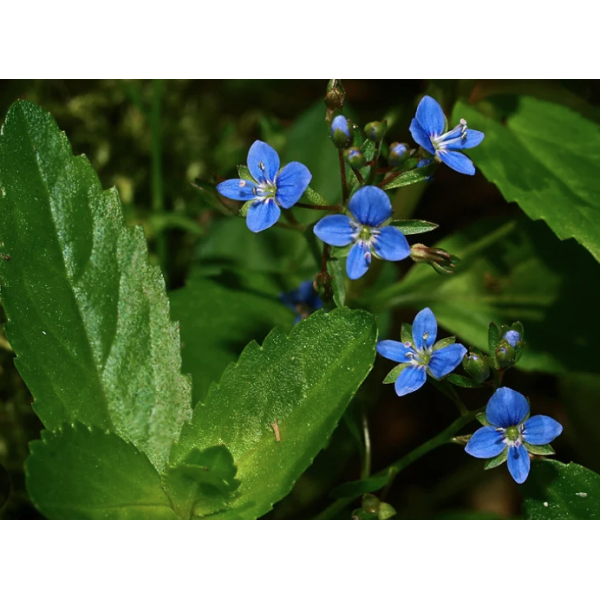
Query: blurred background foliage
x=153 y=139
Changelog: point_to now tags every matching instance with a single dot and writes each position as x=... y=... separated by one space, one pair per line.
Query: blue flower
x=421 y=357
x=303 y=300
x=511 y=435
x=428 y=129
x=370 y=208
x=512 y=337
x=270 y=187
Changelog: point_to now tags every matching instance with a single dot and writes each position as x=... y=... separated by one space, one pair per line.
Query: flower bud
x=512 y=337
x=370 y=503
x=340 y=132
x=398 y=154
x=424 y=162
x=476 y=366
x=334 y=99
x=355 y=157
x=443 y=262
x=505 y=354
x=375 y=130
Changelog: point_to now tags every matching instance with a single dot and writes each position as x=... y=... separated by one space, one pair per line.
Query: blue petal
x=518 y=463
x=263 y=153
x=370 y=206
x=445 y=360
x=262 y=214
x=390 y=244
x=430 y=116
x=410 y=380
x=540 y=430
x=340 y=123
x=336 y=230
x=234 y=191
x=292 y=183
x=506 y=408
x=512 y=337
x=424 y=329
x=472 y=139
x=486 y=443
x=395 y=351
x=457 y=161
x=421 y=136
x=358 y=261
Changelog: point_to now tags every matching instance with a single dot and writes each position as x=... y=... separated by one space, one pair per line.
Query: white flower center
x=441 y=141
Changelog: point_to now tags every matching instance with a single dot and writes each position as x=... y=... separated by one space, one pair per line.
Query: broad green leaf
x=411 y=177
x=203 y=483
x=88 y=317
x=516 y=270
x=80 y=473
x=414 y=226
x=216 y=325
x=298 y=385
x=554 y=490
x=545 y=157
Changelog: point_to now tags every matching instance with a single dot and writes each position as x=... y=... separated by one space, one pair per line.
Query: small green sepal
x=444 y=342
x=545 y=450
x=414 y=226
x=461 y=381
x=244 y=173
x=483 y=419
x=493 y=337
x=406 y=333
x=386 y=511
x=497 y=461
x=395 y=373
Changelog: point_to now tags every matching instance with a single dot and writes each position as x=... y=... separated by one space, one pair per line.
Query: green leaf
x=545 y=157
x=244 y=173
x=203 y=483
x=216 y=325
x=554 y=490
x=461 y=381
x=493 y=337
x=414 y=226
x=353 y=489
x=299 y=385
x=410 y=177
x=335 y=267
x=312 y=197
x=492 y=463
x=81 y=473
x=545 y=450
x=395 y=373
x=517 y=269
x=88 y=317
x=482 y=419
x=444 y=342
x=406 y=333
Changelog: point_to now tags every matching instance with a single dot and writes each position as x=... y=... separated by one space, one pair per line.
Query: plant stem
x=445 y=437
x=343 y=176
x=359 y=176
x=366 y=466
x=158 y=203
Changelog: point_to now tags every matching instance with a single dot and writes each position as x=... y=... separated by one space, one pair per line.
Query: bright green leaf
x=554 y=490
x=513 y=270
x=298 y=385
x=216 y=325
x=414 y=226
x=410 y=177
x=81 y=473
x=88 y=317
x=545 y=157
x=203 y=483
x=336 y=268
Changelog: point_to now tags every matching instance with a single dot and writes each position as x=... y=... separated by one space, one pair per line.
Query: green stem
x=366 y=466
x=448 y=390
x=343 y=177
x=335 y=207
x=158 y=202
x=445 y=437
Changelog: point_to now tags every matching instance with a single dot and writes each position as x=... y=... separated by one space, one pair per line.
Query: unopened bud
x=505 y=354
x=375 y=130
x=370 y=503
x=476 y=366
x=398 y=154
x=355 y=157
x=443 y=262
x=334 y=99
x=512 y=337
x=340 y=132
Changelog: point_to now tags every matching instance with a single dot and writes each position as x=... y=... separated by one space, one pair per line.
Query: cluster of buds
x=373 y=509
